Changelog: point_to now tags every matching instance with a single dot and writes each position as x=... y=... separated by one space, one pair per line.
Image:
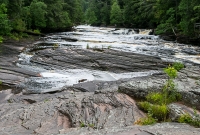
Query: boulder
x=187 y=84
x=176 y=110
x=139 y=87
x=105 y=60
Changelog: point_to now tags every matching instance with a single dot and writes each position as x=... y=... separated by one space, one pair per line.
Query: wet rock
x=168 y=37
x=11 y=78
x=177 y=110
x=106 y=60
x=190 y=51
x=187 y=84
x=167 y=52
x=140 y=87
x=10 y=74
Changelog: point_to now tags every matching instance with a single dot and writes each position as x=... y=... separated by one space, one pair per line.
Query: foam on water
x=117 y=39
x=55 y=80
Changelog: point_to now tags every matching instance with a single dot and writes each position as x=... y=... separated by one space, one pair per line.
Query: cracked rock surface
x=56 y=113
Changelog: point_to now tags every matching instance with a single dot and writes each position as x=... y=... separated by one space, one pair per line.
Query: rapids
x=84 y=37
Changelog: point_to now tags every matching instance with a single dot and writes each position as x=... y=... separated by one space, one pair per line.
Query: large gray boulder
x=187 y=84
x=97 y=59
x=176 y=110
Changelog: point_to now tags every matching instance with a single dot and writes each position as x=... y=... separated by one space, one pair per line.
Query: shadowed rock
x=107 y=60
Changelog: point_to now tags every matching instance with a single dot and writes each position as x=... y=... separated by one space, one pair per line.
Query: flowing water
x=84 y=37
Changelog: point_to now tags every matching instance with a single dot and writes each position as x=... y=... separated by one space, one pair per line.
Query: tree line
x=39 y=15
x=166 y=16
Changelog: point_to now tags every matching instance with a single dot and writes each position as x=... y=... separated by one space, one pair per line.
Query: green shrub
x=195 y=122
x=144 y=106
x=155 y=98
x=158 y=112
x=1 y=39
x=82 y=124
x=156 y=104
x=15 y=36
x=185 y=118
x=25 y=35
x=178 y=66
x=171 y=72
x=146 y=121
x=37 y=31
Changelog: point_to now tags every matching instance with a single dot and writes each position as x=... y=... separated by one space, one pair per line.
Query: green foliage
x=87 y=47
x=178 y=66
x=178 y=16
x=38 y=13
x=158 y=112
x=1 y=39
x=19 y=24
x=167 y=24
x=20 y=15
x=155 y=98
x=18 y=36
x=139 y=13
x=37 y=31
x=146 y=121
x=5 y=27
x=187 y=118
x=156 y=104
x=171 y=72
x=90 y=17
x=46 y=100
x=115 y=14
x=15 y=36
x=82 y=124
x=109 y=46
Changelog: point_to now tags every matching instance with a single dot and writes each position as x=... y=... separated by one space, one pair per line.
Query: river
x=86 y=37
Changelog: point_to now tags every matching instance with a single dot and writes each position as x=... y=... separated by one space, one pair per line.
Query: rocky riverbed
x=86 y=82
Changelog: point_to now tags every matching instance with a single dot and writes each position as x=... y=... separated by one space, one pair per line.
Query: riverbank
x=88 y=85
x=10 y=74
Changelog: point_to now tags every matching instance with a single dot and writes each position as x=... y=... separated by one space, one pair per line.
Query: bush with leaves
x=178 y=66
x=156 y=104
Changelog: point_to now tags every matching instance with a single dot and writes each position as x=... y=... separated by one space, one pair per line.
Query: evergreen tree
x=105 y=14
x=115 y=14
x=90 y=17
x=5 y=27
x=38 y=13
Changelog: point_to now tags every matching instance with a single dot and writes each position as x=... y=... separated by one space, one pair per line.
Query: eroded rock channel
x=69 y=83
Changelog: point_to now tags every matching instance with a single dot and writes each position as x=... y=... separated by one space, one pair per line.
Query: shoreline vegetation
x=177 y=20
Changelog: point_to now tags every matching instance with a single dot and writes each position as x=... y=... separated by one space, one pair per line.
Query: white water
x=95 y=37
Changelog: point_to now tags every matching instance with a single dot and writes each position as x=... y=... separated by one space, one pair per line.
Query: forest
x=165 y=16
